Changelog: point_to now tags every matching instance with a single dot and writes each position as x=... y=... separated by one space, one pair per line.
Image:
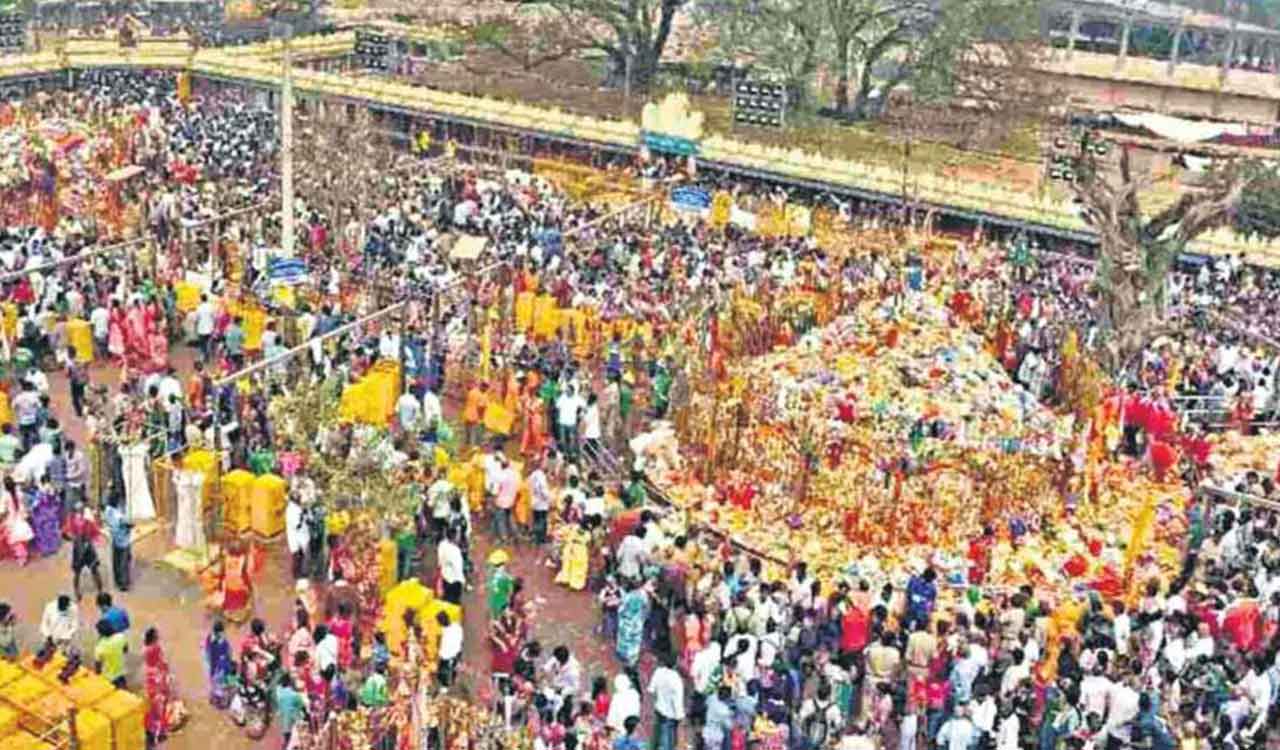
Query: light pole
x=287 y=229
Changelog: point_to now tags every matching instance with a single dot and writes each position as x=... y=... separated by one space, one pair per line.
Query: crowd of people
x=712 y=649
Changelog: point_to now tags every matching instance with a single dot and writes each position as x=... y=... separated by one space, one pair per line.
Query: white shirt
x=1007 y=736
x=327 y=652
x=450 y=559
x=451 y=641
x=984 y=715
x=100 y=319
x=667 y=688
x=60 y=626
x=567 y=407
x=296 y=534
x=1122 y=708
x=539 y=490
x=204 y=319
x=591 y=422
x=430 y=408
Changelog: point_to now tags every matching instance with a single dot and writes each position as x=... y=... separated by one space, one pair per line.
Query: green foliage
x=1257 y=213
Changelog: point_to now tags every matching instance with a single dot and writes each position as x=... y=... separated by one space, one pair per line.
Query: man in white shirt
x=630 y=555
x=568 y=407
x=1094 y=689
x=450 y=648
x=296 y=534
x=60 y=622
x=205 y=318
x=408 y=413
x=667 y=688
x=326 y=648
x=430 y=410
x=540 y=502
x=452 y=569
x=1122 y=709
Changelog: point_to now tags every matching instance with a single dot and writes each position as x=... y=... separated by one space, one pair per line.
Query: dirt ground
x=172 y=602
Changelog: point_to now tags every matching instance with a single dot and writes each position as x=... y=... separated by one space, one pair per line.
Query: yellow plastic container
x=9 y=672
x=237 y=491
x=80 y=337
x=267 y=502
x=21 y=740
x=88 y=689
x=6 y=413
x=25 y=691
x=8 y=721
x=93 y=730
x=49 y=672
x=126 y=712
x=51 y=708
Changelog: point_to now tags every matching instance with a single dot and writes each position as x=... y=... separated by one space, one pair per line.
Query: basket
x=9 y=672
x=8 y=721
x=93 y=730
x=23 y=741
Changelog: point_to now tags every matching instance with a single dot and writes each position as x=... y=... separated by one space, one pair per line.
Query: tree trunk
x=842 y=82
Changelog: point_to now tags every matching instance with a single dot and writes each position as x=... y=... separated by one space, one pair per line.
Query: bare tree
x=1137 y=251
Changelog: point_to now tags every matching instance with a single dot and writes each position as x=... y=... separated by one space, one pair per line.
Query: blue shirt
x=116 y=618
x=627 y=743
x=120 y=528
x=290 y=704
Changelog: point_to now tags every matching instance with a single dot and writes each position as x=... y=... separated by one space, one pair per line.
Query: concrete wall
x=1168 y=100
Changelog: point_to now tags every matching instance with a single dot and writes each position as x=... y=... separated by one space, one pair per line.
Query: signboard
x=692 y=199
x=668 y=144
x=468 y=247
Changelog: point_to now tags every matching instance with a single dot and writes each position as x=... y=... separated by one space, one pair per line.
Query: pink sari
x=116 y=333
x=343 y=631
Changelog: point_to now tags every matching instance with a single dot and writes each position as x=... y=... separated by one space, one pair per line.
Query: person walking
x=78 y=378
x=297 y=534
x=120 y=529
x=667 y=688
x=83 y=531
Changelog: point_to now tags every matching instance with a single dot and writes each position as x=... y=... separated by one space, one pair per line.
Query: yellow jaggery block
x=405 y=596
x=87 y=689
x=9 y=672
x=50 y=708
x=93 y=730
x=351 y=405
x=237 y=488
x=8 y=721
x=206 y=463
x=24 y=691
x=126 y=712
x=21 y=740
x=267 y=501
x=546 y=316
x=80 y=338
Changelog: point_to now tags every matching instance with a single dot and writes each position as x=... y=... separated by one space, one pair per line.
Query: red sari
x=164 y=712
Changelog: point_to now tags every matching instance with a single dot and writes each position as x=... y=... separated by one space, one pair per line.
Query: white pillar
x=286 y=153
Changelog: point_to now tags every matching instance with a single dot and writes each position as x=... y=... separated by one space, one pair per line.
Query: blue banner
x=691 y=199
x=669 y=144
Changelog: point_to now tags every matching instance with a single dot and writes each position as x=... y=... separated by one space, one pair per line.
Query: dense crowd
x=711 y=649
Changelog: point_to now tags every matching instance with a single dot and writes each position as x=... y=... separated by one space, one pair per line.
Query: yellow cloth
x=187 y=296
x=80 y=337
x=524 y=311
x=546 y=316
x=574 y=558
x=498 y=419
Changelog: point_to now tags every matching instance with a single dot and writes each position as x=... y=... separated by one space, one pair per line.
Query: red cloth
x=979 y=554
x=1163 y=458
x=1243 y=626
x=855 y=625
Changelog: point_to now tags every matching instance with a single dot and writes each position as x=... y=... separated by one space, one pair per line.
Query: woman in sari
x=533 y=436
x=695 y=635
x=574 y=557
x=116 y=331
x=300 y=642
x=505 y=638
x=632 y=614
x=234 y=594
x=15 y=531
x=165 y=713
x=218 y=664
